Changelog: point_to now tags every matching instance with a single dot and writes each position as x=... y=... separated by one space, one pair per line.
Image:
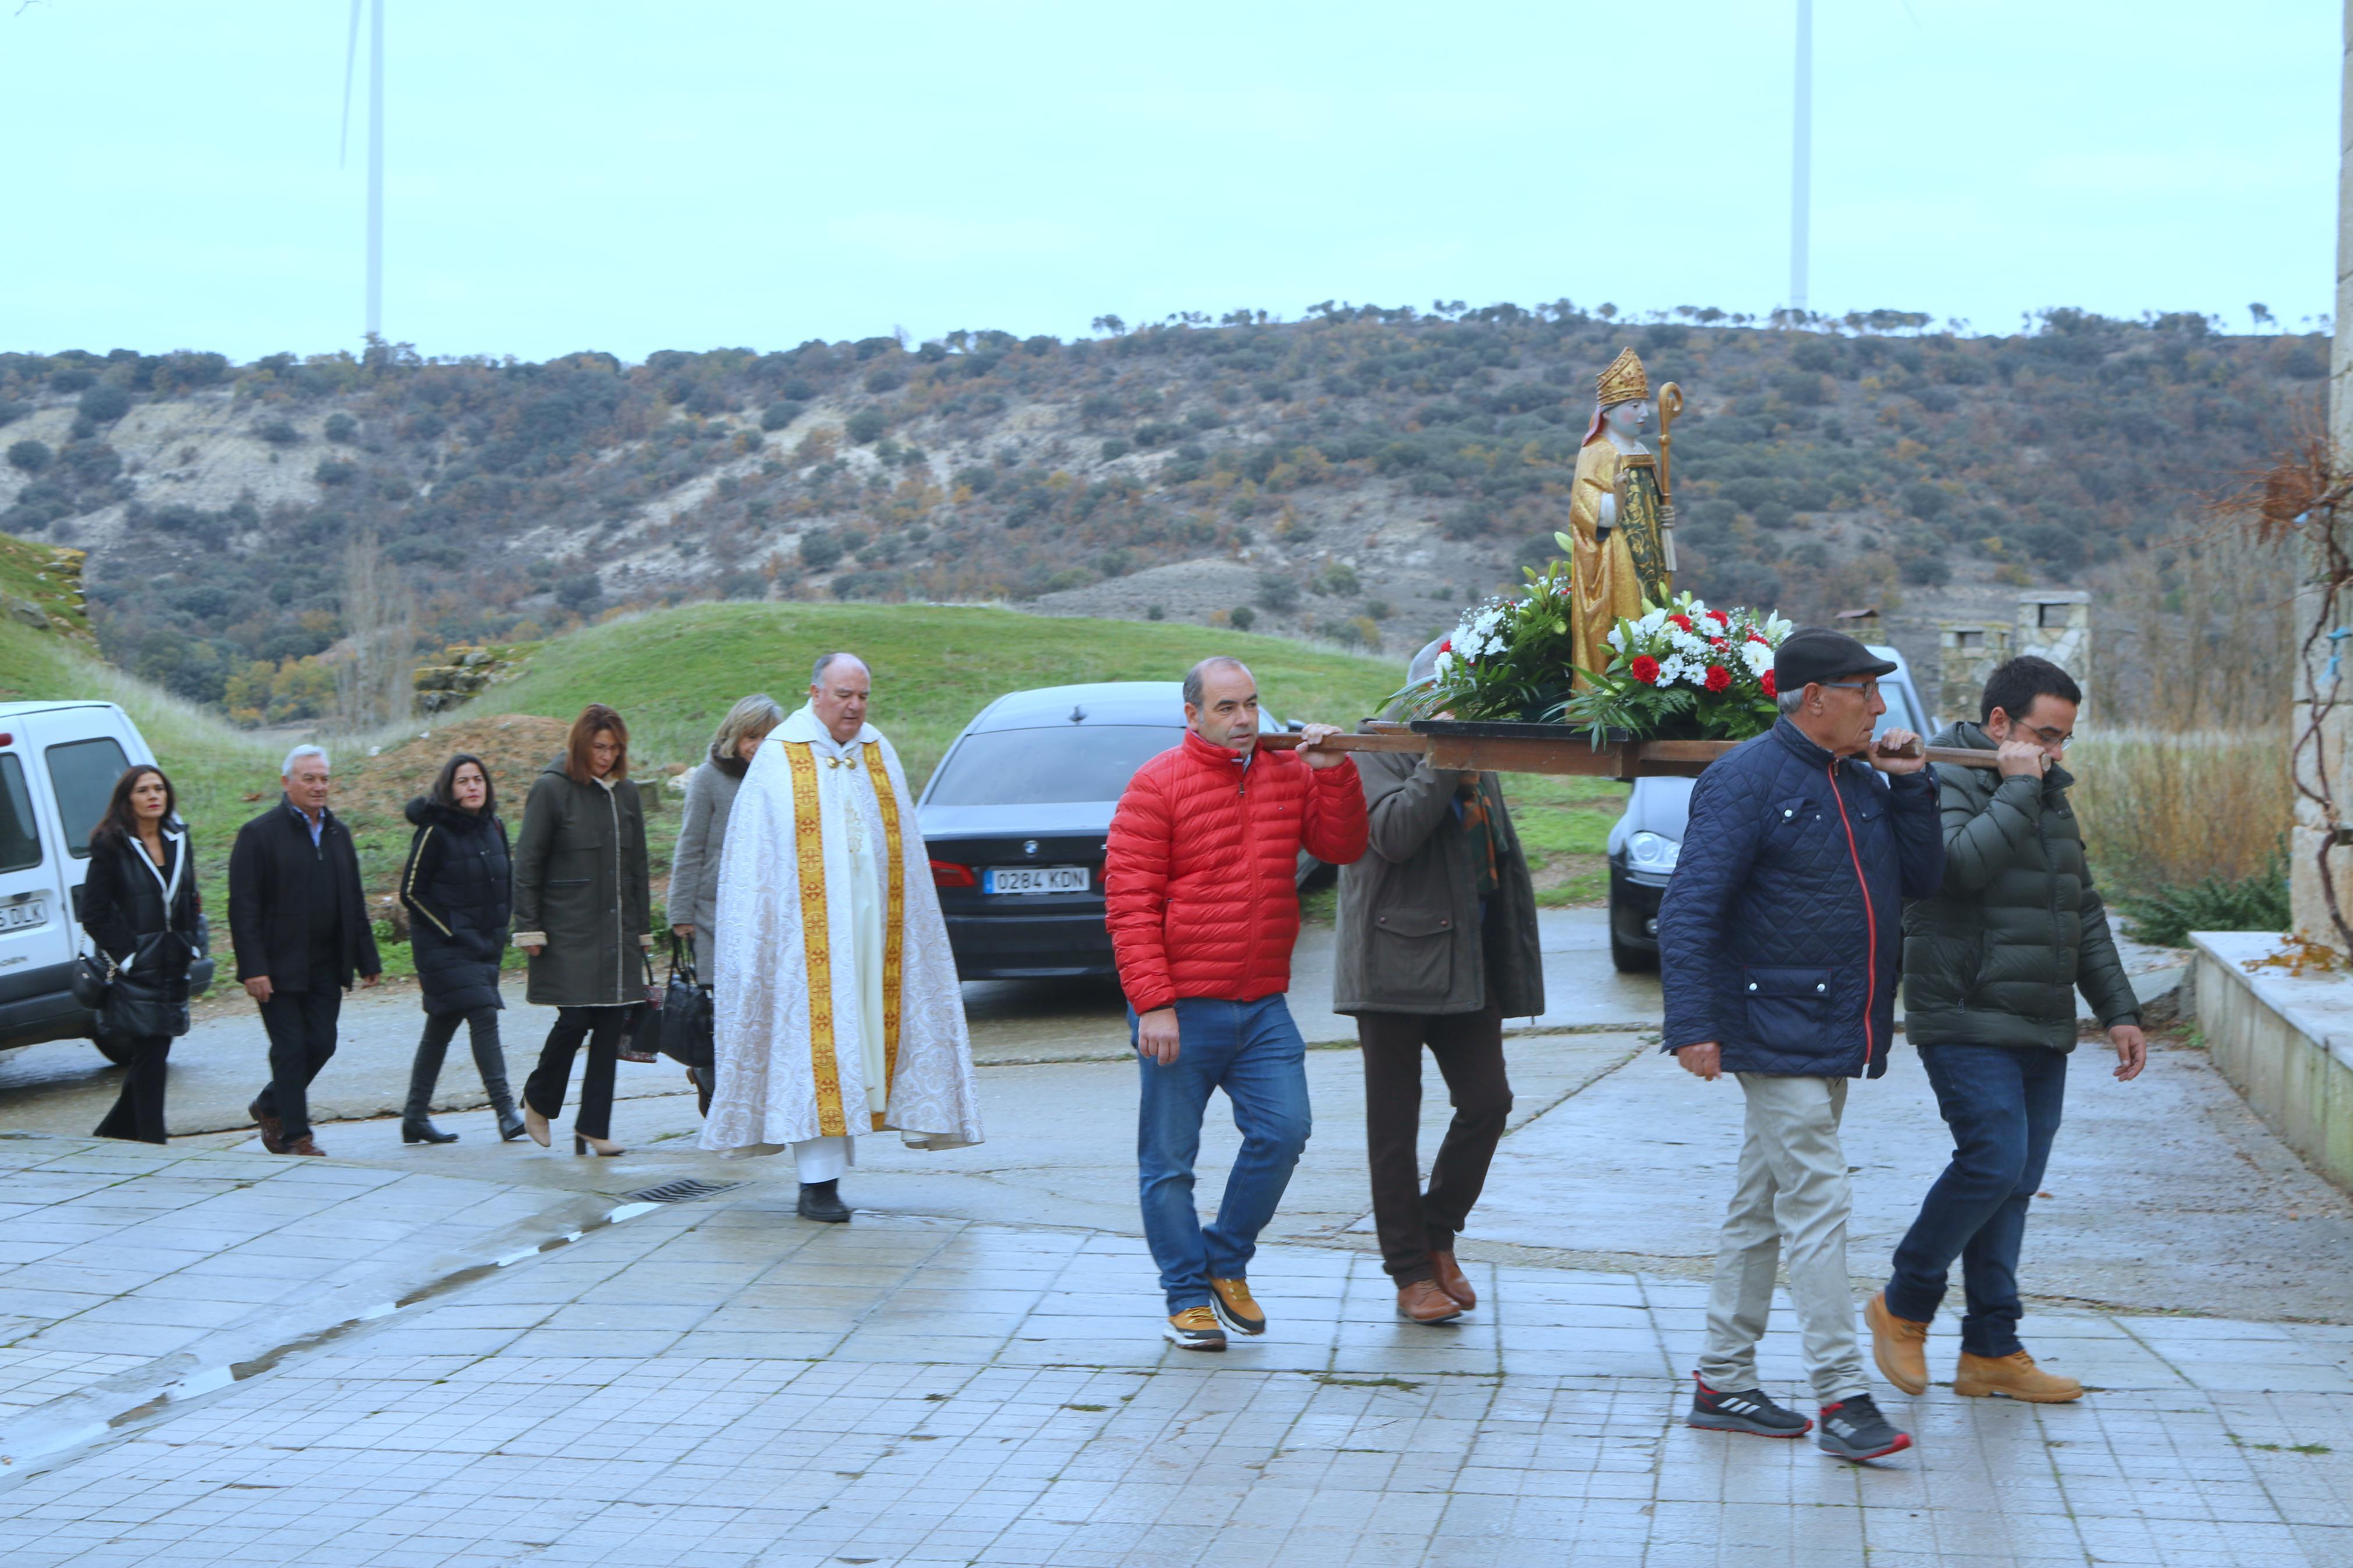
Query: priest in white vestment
x=837 y=999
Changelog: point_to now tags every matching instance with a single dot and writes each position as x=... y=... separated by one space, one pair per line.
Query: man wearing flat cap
x=1778 y=941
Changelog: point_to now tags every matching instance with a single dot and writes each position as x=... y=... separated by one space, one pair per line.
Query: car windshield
x=1047 y=767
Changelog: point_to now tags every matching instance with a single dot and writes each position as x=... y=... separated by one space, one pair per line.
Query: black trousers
x=482 y=1029
x=543 y=1089
x=302 y=1026
x=137 y=1112
x=1412 y=1223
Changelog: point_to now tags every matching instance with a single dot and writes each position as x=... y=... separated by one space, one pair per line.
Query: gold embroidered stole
x=894 y=911
x=817 y=931
x=817 y=937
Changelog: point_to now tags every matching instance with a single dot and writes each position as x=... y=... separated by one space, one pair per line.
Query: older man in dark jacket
x=1438 y=946
x=297 y=915
x=1991 y=968
x=1778 y=941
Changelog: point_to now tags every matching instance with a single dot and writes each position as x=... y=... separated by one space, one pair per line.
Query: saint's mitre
x=1624 y=381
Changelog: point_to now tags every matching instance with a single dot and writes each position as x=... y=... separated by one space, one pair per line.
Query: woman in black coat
x=140 y=906
x=457 y=888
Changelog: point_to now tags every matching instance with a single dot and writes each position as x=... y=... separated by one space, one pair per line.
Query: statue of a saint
x=1618 y=513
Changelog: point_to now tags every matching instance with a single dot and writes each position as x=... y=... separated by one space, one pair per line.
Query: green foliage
x=341 y=428
x=278 y=432
x=2165 y=917
x=866 y=425
x=1277 y=592
x=104 y=404
x=1241 y=617
x=776 y=415
x=31 y=455
x=821 y=549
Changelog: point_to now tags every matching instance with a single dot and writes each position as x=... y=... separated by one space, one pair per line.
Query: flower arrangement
x=1679 y=670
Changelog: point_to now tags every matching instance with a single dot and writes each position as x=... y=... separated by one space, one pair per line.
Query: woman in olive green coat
x=581 y=913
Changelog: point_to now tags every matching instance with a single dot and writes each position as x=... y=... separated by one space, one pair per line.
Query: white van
x=59 y=762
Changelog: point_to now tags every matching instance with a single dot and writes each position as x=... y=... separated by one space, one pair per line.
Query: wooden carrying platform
x=1557 y=749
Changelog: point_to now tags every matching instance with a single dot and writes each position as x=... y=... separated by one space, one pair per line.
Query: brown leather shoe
x=2015 y=1376
x=1450 y=1280
x=1424 y=1302
x=303 y=1145
x=1899 y=1345
x=273 y=1131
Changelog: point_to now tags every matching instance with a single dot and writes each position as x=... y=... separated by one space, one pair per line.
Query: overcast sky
x=760 y=171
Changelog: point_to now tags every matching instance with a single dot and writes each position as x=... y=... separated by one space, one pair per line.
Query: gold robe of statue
x=1616 y=572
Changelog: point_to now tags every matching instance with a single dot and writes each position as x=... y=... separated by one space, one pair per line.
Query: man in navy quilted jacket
x=1778 y=941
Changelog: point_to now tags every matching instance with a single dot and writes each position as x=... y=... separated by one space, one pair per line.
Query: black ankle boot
x=511 y=1125
x=421 y=1131
x=820 y=1202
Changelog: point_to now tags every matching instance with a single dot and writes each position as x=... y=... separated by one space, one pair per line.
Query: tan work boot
x=1235 y=1308
x=1424 y=1302
x=2014 y=1376
x=1899 y=1345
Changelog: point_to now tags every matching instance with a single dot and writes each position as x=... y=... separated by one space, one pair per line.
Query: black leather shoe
x=424 y=1133
x=822 y=1202
x=511 y=1125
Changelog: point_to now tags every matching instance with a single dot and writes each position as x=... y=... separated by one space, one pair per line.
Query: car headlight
x=1653 y=851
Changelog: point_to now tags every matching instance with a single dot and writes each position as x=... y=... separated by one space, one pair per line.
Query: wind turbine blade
x=351 y=59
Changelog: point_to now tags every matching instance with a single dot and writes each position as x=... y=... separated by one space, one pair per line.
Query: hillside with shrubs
x=1351 y=477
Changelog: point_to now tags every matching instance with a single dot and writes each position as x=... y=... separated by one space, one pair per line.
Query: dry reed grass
x=2163 y=808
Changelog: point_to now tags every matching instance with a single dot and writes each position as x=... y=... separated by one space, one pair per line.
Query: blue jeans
x=2002 y=1103
x=1253 y=1051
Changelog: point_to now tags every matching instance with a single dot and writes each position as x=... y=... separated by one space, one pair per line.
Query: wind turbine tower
x=1801 y=155
x=374 y=152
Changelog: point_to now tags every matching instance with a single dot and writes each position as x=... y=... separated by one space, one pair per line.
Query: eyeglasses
x=2048 y=736
x=1847 y=685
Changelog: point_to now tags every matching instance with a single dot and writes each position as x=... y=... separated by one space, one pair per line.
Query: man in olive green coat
x=1437 y=945
x=1990 y=967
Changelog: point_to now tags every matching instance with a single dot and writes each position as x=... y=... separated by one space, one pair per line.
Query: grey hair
x=754 y=715
x=1215 y=661
x=1790 y=701
x=825 y=662
x=286 y=769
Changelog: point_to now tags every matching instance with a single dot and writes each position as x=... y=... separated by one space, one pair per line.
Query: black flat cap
x=1816 y=653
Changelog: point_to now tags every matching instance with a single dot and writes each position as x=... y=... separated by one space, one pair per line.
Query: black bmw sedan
x=1015 y=817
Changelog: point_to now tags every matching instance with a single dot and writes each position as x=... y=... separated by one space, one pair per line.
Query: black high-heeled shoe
x=424 y=1133
x=605 y=1147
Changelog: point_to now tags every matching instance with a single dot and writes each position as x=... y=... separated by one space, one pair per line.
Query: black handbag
x=641 y=1032
x=688 y=1020
x=88 y=979
x=136 y=1007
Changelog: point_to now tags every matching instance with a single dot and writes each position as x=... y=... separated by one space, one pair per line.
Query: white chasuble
x=838 y=1010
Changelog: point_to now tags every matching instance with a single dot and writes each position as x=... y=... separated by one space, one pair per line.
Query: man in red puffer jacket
x=1204 y=908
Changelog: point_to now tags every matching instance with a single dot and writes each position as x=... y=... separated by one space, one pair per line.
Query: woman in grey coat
x=693 y=900
x=580 y=911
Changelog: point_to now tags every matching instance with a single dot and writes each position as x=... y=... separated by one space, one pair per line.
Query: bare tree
x=372 y=678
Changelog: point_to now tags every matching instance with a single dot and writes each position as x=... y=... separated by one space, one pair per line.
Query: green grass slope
x=672 y=673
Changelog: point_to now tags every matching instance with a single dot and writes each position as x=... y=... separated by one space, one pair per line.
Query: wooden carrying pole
x=1564 y=752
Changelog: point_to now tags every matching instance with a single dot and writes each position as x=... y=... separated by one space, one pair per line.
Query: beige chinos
x=1793 y=1184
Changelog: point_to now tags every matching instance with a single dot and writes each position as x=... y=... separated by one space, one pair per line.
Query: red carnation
x=1646 y=669
x=1718 y=643
x=1718 y=678
x=1681 y=623
x=1446 y=647
x=1759 y=636
x=1766 y=681
x=1720 y=618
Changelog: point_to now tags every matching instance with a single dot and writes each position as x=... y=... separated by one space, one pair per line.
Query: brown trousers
x=1412 y=1223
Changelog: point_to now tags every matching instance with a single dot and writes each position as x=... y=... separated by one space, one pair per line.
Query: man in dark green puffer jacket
x=1990 y=967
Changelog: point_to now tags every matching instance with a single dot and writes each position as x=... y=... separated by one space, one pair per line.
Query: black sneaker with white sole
x=1746 y=1411
x=1854 y=1430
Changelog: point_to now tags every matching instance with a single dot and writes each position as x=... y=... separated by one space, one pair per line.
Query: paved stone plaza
x=715 y=1383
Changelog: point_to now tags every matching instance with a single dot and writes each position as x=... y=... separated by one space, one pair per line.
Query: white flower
x=1670 y=669
x=1616 y=640
x=1445 y=666
x=1758 y=657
